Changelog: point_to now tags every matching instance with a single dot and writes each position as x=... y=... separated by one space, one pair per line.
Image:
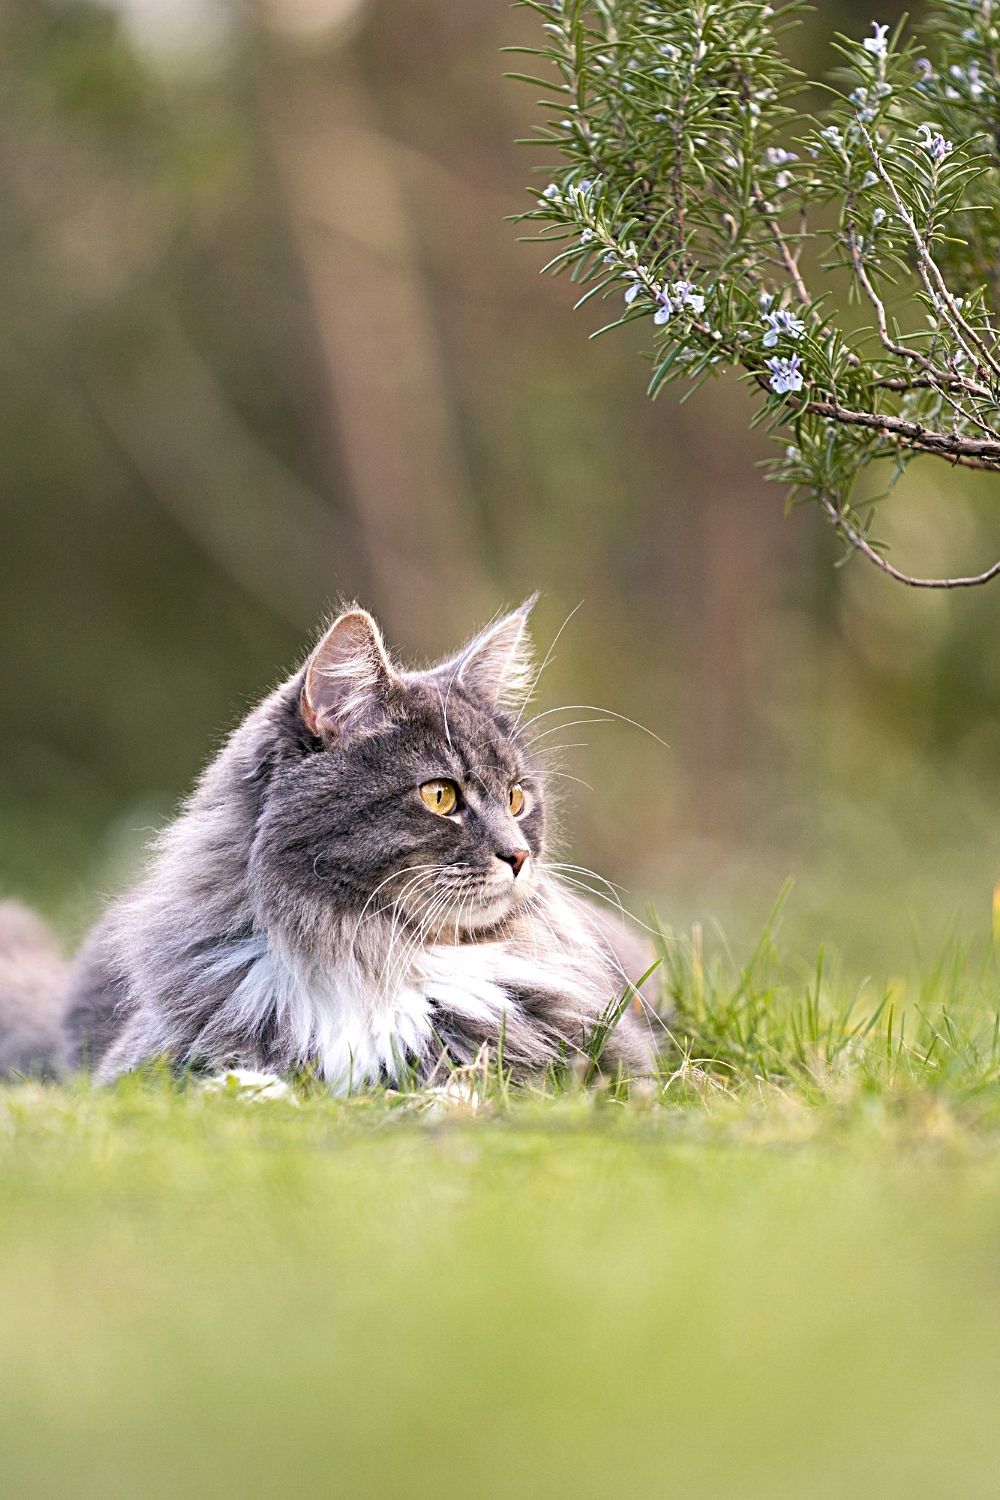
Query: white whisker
x=584 y=870
x=597 y=709
x=381 y=885
x=614 y=903
x=565 y=776
x=547 y=658
x=554 y=749
x=573 y=724
x=444 y=707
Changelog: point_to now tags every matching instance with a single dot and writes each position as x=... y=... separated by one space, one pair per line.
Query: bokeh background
x=267 y=339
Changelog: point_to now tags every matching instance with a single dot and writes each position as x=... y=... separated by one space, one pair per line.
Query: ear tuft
x=497 y=665
x=348 y=677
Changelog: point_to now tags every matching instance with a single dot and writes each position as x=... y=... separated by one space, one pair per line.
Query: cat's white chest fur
x=359 y=1028
x=365 y=1017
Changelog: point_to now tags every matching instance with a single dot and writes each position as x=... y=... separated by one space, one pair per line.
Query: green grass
x=772 y=1272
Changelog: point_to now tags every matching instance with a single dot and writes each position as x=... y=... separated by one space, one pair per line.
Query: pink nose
x=515 y=859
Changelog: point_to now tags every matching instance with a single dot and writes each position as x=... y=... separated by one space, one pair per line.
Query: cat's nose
x=515 y=859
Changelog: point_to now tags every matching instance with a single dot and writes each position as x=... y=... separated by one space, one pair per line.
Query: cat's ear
x=348 y=677
x=497 y=665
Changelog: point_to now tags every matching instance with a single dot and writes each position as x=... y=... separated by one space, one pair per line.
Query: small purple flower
x=781 y=323
x=685 y=294
x=877 y=45
x=786 y=375
x=666 y=308
x=934 y=143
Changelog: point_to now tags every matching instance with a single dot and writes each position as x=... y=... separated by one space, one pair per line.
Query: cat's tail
x=33 y=981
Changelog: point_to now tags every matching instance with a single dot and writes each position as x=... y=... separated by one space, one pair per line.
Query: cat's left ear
x=497 y=665
x=348 y=678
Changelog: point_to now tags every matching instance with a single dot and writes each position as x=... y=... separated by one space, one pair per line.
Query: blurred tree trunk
x=390 y=406
x=191 y=453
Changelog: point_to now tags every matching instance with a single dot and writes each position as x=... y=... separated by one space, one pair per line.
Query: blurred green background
x=268 y=340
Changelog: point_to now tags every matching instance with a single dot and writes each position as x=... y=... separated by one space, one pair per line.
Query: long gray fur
x=307 y=910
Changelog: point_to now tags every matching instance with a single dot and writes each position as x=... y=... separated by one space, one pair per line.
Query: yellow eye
x=517 y=799
x=440 y=796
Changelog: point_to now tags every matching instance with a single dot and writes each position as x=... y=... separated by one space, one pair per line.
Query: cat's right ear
x=348 y=678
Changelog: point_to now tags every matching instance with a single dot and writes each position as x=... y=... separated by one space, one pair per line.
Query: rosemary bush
x=693 y=191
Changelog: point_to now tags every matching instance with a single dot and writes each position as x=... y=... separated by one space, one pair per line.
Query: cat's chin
x=493 y=906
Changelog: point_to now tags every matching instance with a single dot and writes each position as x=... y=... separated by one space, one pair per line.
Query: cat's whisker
x=437 y=902
x=565 y=776
x=436 y=920
x=482 y=783
x=381 y=886
x=545 y=662
x=464 y=903
x=432 y=887
x=647 y=1007
x=540 y=913
x=599 y=895
x=558 y=728
x=596 y=709
x=584 y=870
x=454 y=678
x=650 y=1010
x=411 y=885
x=555 y=749
x=405 y=941
x=563 y=879
x=398 y=930
x=454 y=916
x=444 y=707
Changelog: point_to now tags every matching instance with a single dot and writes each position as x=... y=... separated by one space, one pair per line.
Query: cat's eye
x=517 y=799
x=440 y=796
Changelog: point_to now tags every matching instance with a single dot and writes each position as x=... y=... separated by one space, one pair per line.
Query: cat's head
x=411 y=791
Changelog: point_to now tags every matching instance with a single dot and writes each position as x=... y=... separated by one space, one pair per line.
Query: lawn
x=774 y=1272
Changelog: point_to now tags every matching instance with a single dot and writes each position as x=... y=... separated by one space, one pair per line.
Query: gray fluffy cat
x=357 y=885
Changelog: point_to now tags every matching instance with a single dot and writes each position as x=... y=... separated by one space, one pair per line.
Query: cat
x=358 y=886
